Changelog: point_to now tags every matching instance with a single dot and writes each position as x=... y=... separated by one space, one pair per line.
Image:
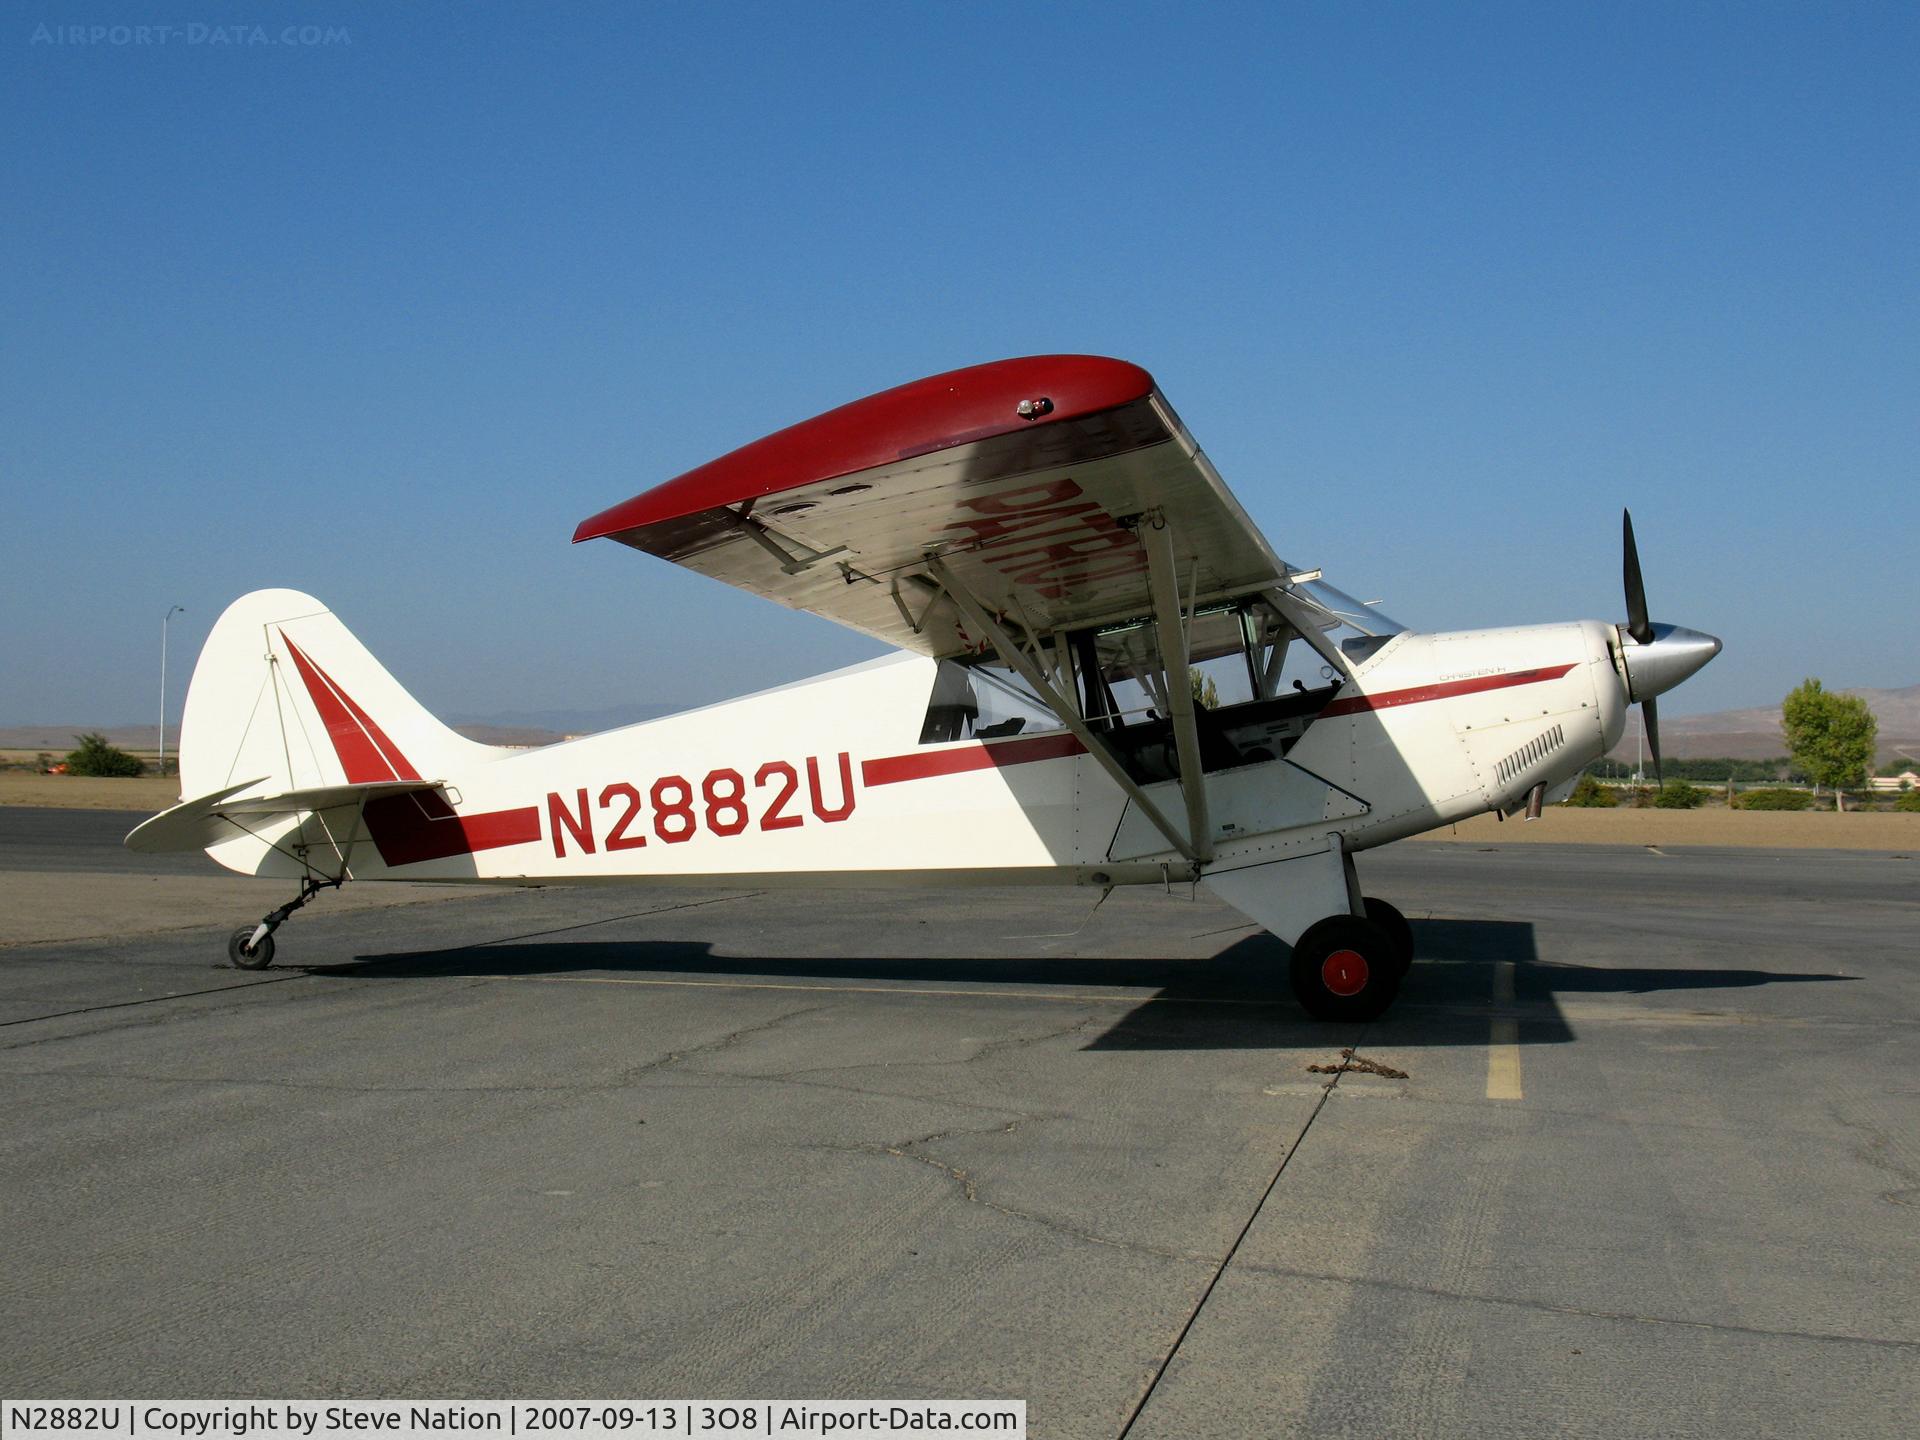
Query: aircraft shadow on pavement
x=1235 y=999
x=1447 y=997
x=1444 y=1000
x=696 y=959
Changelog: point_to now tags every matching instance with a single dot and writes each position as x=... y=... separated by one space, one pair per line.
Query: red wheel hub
x=1344 y=972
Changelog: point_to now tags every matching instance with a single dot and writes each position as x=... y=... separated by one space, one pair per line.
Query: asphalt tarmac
x=1654 y=1168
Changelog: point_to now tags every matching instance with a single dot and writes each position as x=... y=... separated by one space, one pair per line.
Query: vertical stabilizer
x=283 y=693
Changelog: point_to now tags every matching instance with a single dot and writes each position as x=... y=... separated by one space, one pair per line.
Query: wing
x=1025 y=479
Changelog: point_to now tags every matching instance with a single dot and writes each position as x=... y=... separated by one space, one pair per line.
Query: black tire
x=1389 y=919
x=258 y=957
x=1345 y=968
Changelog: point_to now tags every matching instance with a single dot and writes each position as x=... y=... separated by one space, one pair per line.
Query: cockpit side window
x=1257 y=685
x=1256 y=688
x=982 y=701
x=953 y=708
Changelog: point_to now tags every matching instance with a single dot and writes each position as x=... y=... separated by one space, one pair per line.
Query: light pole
x=176 y=610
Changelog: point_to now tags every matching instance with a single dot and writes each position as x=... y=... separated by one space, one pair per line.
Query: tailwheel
x=245 y=953
x=1389 y=919
x=1346 y=968
x=251 y=946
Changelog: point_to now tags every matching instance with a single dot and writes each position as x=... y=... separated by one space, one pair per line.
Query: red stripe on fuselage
x=1443 y=690
x=408 y=829
x=892 y=769
x=997 y=755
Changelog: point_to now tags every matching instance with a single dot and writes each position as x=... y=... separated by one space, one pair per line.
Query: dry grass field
x=1812 y=829
x=81 y=792
x=1766 y=829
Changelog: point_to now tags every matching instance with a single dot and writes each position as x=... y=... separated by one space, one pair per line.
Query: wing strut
x=1165 y=582
x=1023 y=664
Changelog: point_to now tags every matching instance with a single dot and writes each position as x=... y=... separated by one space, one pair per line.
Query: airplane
x=1103 y=675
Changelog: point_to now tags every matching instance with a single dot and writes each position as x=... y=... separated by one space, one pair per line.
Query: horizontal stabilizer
x=210 y=819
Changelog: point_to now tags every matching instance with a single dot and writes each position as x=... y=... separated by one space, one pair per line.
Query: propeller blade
x=1638 y=626
x=1650 y=718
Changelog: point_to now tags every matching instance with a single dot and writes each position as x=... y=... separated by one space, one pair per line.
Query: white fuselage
x=826 y=781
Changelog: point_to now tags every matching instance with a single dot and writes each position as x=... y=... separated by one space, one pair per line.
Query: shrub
x=96 y=757
x=1909 y=801
x=1589 y=793
x=1773 y=799
x=1679 y=795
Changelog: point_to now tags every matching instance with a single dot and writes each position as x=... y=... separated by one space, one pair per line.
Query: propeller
x=1653 y=657
x=1650 y=719
x=1640 y=628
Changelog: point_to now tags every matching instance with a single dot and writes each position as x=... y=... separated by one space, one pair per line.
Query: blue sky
x=1440 y=288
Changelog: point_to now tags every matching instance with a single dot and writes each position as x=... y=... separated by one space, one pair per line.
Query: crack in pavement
x=1220 y=1268
x=964 y=1180
x=708 y=1047
x=148 y=1000
x=1547 y=1307
x=1872 y=1151
x=939 y=1098
x=315 y=1086
x=968 y=1188
x=986 y=1047
x=623 y=1080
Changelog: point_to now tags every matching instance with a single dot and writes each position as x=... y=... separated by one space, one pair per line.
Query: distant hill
x=144 y=739
x=528 y=727
x=558 y=723
x=1755 y=734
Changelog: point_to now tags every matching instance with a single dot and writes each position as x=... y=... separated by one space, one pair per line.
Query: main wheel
x=245 y=957
x=1389 y=919
x=1346 y=968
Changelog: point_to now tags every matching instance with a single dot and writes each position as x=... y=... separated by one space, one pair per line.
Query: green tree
x=1206 y=694
x=1831 y=736
x=96 y=757
x=1679 y=795
x=1772 y=798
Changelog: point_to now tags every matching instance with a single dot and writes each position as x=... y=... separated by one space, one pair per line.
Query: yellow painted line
x=1503 y=1041
x=1009 y=994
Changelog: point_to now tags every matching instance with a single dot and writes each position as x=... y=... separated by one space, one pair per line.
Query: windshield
x=1342 y=609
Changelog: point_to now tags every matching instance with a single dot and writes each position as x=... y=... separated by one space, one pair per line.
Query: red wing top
x=1023 y=476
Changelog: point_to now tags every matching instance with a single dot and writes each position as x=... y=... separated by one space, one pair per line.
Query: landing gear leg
x=251 y=946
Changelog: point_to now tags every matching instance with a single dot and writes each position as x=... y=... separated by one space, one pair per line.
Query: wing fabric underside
x=1026 y=478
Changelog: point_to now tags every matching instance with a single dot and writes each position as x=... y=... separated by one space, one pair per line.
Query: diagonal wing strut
x=1165 y=583
x=1023 y=664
